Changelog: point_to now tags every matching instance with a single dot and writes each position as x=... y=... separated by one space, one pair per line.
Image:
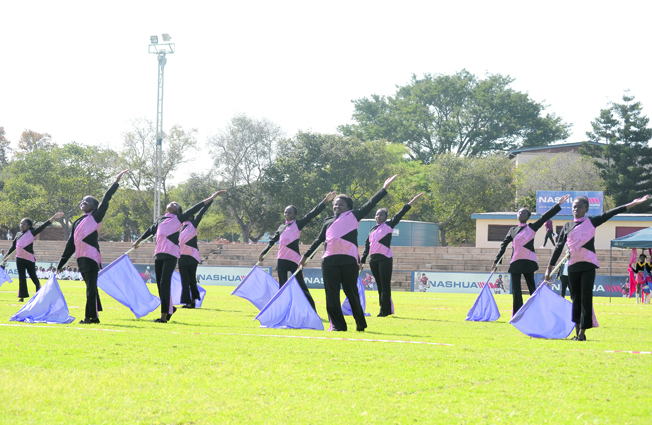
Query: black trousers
x=284 y=269
x=565 y=284
x=93 y=304
x=189 y=290
x=549 y=236
x=29 y=267
x=345 y=276
x=581 y=287
x=517 y=295
x=382 y=272
x=164 y=270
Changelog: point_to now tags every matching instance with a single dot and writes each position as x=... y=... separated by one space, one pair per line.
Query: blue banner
x=547 y=199
x=617 y=286
x=314 y=279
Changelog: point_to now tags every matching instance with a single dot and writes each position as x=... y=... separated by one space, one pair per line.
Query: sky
x=81 y=71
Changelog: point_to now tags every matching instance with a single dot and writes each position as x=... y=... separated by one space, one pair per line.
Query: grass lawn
x=215 y=365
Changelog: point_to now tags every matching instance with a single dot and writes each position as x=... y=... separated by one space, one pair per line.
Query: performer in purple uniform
x=381 y=261
x=189 y=258
x=25 y=260
x=287 y=236
x=579 y=234
x=84 y=242
x=524 y=259
x=340 y=261
x=167 y=251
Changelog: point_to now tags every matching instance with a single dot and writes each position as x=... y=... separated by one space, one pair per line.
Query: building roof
x=515 y=152
x=512 y=216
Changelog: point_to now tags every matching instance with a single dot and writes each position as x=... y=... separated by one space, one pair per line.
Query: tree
x=241 y=153
x=457 y=187
x=4 y=148
x=458 y=114
x=310 y=165
x=44 y=181
x=31 y=141
x=624 y=160
x=138 y=154
x=561 y=172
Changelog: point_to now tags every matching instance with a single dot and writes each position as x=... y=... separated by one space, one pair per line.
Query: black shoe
x=89 y=320
x=360 y=329
x=381 y=315
x=189 y=306
x=581 y=338
x=21 y=300
x=174 y=310
x=159 y=320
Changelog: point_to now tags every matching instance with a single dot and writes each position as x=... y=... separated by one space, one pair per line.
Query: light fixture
x=153 y=39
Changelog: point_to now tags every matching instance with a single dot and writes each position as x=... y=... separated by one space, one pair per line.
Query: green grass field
x=215 y=365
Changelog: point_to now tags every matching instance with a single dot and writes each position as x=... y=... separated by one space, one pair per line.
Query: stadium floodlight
x=160 y=50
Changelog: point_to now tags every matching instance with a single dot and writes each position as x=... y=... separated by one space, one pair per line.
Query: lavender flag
x=175 y=291
x=4 y=277
x=258 y=287
x=47 y=306
x=289 y=308
x=121 y=281
x=484 y=309
x=346 y=305
x=545 y=315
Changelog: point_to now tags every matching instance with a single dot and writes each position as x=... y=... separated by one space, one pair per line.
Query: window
x=497 y=233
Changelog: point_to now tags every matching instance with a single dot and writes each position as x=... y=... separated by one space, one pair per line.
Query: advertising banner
x=206 y=275
x=546 y=199
x=459 y=283
x=618 y=286
x=314 y=279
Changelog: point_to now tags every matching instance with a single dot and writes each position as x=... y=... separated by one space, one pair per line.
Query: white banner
x=459 y=283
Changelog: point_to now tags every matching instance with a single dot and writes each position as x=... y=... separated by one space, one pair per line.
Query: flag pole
x=493 y=271
x=558 y=265
x=309 y=258
x=132 y=248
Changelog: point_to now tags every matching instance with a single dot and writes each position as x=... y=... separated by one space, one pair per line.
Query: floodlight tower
x=160 y=50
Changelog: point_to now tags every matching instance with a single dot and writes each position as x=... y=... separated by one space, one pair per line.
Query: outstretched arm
x=368 y=206
x=195 y=208
x=315 y=211
x=549 y=214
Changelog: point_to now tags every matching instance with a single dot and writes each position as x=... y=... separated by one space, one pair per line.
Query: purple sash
x=188 y=232
x=87 y=226
x=375 y=247
x=335 y=245
x=21 y=243
x=520 y=252
x=289 y=235
x=169 y=227
x=583 y=232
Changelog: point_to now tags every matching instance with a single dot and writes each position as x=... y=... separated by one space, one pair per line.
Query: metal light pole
x=160 y=50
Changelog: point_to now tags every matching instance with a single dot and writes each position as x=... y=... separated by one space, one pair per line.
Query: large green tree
x=310 y=165
x=460 y=114
x=624 y=160
x=242 y=153
x=43 y=181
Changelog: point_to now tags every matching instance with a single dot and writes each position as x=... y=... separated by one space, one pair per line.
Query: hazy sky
x=80 y=70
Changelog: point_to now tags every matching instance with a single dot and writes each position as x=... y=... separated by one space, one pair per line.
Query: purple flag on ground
x=258 y=287
x=176 y=291
x=545 y=315
x=484 y=309
x=4 y=277
x=47 y=306
x=346 y=305
x=121 y=281
x=289 y=308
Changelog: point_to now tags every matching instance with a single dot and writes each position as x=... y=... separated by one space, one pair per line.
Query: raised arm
x=368 y=206
x=46 y=223
x=301 y=223
x=549 y=214
x=597 y=221
x=195 y=208
x=200 y=214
